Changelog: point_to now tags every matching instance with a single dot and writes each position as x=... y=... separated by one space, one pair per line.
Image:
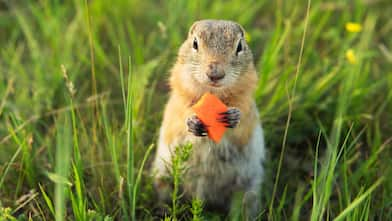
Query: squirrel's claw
x=196 y=127
x=231 y=117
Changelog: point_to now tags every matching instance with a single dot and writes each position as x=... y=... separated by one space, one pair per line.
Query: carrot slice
x=207 y=110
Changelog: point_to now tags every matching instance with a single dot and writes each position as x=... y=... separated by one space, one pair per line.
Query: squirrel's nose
x=214 y=74
x=215 y=77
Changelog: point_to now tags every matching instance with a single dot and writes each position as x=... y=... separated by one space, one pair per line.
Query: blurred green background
x=72 y=141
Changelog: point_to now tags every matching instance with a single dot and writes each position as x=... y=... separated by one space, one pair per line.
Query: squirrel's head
x=215 y=54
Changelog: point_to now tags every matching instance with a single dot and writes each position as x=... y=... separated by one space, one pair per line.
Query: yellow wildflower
x=350 y=56
x=353 y=27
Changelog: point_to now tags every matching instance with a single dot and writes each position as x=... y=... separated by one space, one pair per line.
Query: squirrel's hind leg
x=160 y=171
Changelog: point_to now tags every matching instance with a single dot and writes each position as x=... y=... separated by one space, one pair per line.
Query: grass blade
x=358 y=200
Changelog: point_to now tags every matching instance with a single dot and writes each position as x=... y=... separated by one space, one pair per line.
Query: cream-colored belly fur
x=216 y=171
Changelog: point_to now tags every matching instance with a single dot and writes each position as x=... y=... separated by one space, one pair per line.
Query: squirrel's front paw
x=196 y=127
x=231 y=117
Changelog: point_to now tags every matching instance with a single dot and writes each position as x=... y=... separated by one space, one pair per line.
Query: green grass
x=83 y=85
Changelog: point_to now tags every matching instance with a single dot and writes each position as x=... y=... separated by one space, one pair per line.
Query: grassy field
x=83 y=85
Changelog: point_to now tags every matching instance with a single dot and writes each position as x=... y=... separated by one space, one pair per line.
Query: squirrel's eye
x=239 y=48
x=195 y=45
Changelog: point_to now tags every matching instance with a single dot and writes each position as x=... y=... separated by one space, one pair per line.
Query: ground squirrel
x=215 y=58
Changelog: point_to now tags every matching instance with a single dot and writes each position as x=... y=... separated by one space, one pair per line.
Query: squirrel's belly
x=216 y=171
x=212 y=173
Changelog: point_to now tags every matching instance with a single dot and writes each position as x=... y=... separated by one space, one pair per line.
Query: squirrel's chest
x=209 y=153
x=215 y=168
x=222 y=161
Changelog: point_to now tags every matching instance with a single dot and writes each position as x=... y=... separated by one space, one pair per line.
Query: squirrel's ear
x=241 y=29
x=192 y=28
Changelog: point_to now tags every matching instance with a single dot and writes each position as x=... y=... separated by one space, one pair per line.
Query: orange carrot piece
x=208 y=110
